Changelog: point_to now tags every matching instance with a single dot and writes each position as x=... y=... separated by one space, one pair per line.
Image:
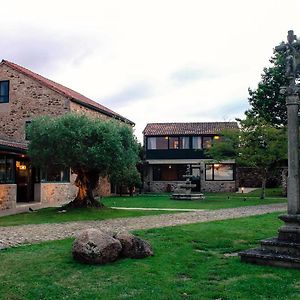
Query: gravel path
x=27 y=234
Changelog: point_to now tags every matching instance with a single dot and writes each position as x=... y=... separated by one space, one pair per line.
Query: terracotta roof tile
x=72 y=95
x=153 y=129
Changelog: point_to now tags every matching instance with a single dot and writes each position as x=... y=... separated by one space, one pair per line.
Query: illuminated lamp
x=22 y=167
x=216 y=137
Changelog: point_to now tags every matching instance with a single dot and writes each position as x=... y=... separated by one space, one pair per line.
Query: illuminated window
x=219 y=172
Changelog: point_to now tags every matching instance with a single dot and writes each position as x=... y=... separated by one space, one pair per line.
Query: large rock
x=133 y=246
x=95 y=247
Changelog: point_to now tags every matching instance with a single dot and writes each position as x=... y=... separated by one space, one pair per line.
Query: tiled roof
x=153 y=129
x=13 y=145
x=72 y=95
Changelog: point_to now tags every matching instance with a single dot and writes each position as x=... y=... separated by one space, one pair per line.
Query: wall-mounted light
x=216 y=137
x=23 y=167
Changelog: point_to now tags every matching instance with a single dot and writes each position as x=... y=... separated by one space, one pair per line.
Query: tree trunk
x=263 y=188
x=86 y=183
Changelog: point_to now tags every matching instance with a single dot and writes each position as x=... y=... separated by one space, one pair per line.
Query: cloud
x=45 y=51
x=135 y=92
x=189 y=74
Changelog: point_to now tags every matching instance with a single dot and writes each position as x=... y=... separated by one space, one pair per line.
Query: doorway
x=196 y=179
x=24 y=180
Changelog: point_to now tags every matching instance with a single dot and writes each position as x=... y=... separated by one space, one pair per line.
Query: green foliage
x=127 y=174
x=75 y=141
x=266 y=101
x=257 y=144
x=262 y=146
x=90 y=147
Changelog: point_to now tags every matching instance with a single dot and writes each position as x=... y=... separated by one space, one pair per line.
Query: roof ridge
x=65 y=91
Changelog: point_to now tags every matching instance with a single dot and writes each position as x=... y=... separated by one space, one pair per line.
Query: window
x=197 y=142
x=219 y=172
x=184 y=142
x=55 y=173
x=207 y=141
x=6 y=169
x=173 y=143
x=156 y=143
x=4 y=91
x=169 y=172
x=27 y=123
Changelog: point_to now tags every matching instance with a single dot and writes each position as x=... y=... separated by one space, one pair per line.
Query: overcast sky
x=151 y=60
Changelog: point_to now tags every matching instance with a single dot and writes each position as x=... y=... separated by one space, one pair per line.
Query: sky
x=151 y=60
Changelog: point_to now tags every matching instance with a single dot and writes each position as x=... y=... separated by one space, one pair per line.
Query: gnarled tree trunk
x=86 y=183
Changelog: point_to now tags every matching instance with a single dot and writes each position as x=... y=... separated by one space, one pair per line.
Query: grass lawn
x=189 y=263
x=211 y=201
x=51 y=215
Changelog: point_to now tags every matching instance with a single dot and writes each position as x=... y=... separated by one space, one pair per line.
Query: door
x=24 y=181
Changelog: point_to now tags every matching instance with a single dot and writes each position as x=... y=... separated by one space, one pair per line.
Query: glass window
x=2 y=170
x=184 y=142
x=151 y=143
x=169 y=172
x=155 y=143
x=208 y=172
x=207 y=141
x=4 y=91
x=223 y=172
x=173 y=143
x=197 y=142
x=6 y=169
x=55 y=174
x=219 y=172
x=27 y=123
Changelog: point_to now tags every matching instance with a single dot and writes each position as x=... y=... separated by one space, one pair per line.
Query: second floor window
x=4 y=91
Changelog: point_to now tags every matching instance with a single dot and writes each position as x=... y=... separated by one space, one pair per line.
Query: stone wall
x=27 y=100
x=52 y=193
x=219 y=186
x=77 y=108
x=8 y=196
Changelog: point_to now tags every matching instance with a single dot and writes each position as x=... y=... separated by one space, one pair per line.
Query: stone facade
x=170 y=186
x=31 y=95
x=27 y=99
x=8 y=194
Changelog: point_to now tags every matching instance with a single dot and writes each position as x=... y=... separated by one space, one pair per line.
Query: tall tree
x=266 y=101
x=90 y=147
x=257 y=144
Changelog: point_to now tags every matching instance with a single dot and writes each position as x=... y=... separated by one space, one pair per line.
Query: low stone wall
x=164 y=186
x=52 y=193
x=218 y=186
x=8 y=196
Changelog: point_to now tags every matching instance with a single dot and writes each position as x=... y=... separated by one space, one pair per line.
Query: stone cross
x=291 y=53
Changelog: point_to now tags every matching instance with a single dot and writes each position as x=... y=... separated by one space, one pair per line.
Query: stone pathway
x=27 y=234
x=155 y=208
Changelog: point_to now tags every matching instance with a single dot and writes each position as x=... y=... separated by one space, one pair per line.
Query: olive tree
x=90 y=147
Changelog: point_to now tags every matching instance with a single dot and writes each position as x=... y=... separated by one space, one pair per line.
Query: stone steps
x=262 y=256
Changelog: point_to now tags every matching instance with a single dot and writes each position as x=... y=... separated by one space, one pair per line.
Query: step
x=282 y=247
x=270 y=258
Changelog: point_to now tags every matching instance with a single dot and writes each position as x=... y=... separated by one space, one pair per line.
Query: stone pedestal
x=284 y=250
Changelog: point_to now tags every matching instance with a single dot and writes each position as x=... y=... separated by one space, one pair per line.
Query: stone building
x=25 y=95
x=173 y=149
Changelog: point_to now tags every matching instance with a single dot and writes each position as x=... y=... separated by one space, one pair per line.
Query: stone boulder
x=133 y=246
x=93 y=246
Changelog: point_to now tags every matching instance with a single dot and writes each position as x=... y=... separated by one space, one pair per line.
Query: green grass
x=51 y=215
x=211 y=201
x=189 y=263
